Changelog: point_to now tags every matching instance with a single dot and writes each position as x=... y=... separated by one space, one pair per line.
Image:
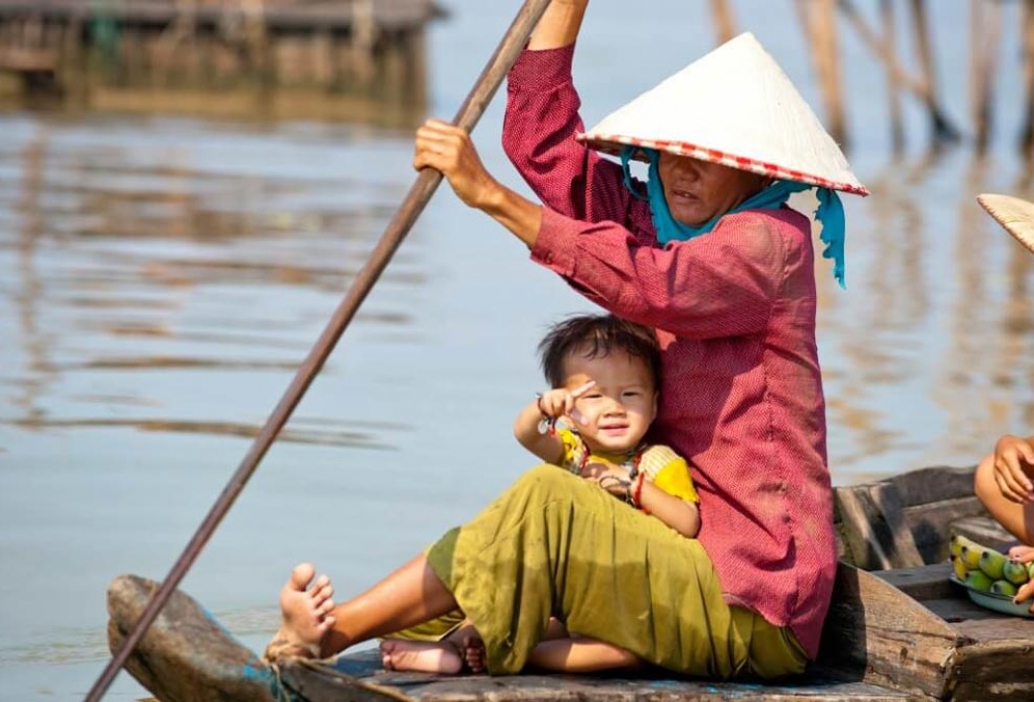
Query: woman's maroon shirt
x=735 y=314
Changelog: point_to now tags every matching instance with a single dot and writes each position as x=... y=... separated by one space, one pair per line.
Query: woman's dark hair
x=597 y=335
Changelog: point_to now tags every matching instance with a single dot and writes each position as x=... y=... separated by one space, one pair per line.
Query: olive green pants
x=556 y=545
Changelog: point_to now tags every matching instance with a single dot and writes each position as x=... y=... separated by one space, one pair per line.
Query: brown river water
x=161 y=278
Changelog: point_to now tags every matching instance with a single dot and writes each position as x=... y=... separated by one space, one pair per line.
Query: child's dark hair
x=597 y=335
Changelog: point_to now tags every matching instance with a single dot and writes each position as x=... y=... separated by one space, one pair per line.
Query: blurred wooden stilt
x=1027 y=29
x=257 y=40
x=818 y=20
x=897 y=128
x=942 y=132
x=724 y=22
x=985 y=22
x=944 y=129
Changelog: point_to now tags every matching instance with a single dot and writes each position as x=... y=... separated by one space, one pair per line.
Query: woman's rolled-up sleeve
x=721 y=284
x=539 y=131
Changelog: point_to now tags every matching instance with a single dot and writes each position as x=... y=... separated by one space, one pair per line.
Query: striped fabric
x=612 y=143
x=734 y=310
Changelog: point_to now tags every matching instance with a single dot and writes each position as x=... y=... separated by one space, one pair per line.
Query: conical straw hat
x=1016 y=215
x=733 y=106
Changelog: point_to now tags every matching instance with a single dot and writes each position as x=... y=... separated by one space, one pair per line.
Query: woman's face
x=698 y=190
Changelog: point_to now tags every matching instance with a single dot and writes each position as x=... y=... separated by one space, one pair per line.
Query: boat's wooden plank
x=184 y=655
x=923 y=583
x=933 y=484
x=1004 y=659
x=992 y=692
x=978 y=625
x=998 y=628
x=365 y=666
x=984 y=530
x=872 y=525
x=318 y=682
x=931 y=524
x=885 y=637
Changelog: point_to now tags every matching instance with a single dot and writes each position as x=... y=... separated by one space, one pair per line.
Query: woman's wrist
x=515 y=212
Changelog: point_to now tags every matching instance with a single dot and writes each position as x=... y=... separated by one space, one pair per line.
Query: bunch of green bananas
x=986 y=569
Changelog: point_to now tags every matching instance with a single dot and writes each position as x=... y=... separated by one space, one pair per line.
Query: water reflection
x=928 y=344
x=134 y=260
x=136 y=257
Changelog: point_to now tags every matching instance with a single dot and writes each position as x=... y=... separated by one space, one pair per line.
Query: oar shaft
x=419 y=194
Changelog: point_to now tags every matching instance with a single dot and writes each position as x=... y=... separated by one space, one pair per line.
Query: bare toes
x=321 y=593
x=302 y=575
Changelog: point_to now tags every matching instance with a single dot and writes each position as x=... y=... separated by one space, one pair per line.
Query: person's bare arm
x=559 y=25
x=1014 y=467
x=548 y=447
x=448 y=149
x=679 y=514
x=557 y=403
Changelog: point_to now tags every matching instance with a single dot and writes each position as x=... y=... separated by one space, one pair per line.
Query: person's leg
x=305 y=608
x=472 y=648
x=557 y=544
x=446 y=655
x=411 y=595
x=581 y=655
x=421 y=656
x=1015 y=517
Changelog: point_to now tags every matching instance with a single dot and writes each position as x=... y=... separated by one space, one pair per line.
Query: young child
x=605 y=375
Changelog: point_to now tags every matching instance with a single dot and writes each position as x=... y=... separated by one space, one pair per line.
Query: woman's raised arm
x=559 y=24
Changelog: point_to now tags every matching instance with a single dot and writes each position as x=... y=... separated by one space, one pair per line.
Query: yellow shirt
x=662 y=466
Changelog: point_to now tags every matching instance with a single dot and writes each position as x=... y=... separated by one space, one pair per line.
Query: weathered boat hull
x=905 y=632
x=187 y=655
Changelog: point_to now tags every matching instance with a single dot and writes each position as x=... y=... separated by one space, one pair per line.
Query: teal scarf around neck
x=830 y=211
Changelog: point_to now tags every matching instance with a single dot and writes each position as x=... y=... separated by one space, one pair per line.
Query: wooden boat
x=898 y=629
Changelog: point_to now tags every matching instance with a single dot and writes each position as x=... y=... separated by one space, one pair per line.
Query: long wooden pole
x=419 y=194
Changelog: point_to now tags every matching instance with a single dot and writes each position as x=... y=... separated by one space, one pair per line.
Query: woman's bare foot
x=421 y=656
x=305 y=608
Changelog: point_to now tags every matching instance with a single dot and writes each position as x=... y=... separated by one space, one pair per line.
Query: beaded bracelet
x=547 y=424
x=637 y=496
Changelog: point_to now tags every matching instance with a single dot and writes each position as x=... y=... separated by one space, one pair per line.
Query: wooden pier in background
x=184 y=54
x=877 y=29
x=368 y=48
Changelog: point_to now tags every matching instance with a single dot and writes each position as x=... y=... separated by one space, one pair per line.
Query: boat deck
x=336 y=681
x=903 y=632
x=899 y=634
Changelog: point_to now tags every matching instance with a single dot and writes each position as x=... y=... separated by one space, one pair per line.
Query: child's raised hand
x=559 y=402
x=1013 y=463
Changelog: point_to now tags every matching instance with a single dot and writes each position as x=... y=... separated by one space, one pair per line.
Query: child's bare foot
x=474 y=656
x=305 y=608
x=471 y=648
x=421 y=656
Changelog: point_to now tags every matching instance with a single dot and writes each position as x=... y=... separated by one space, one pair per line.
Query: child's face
x=614 y=414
